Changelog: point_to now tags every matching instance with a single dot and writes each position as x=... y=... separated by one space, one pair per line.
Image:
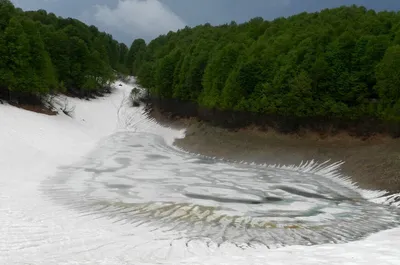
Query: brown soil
x=36 y=108
x=373 y=163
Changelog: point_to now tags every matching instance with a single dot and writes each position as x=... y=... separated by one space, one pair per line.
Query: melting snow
x=36 y=230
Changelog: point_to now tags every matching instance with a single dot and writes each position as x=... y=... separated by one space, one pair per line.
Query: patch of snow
x=35 y=230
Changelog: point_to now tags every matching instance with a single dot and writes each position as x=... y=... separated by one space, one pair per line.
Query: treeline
x=337 y=64
x=41 y=53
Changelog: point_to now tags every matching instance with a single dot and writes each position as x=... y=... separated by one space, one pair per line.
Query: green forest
x=42 y=54
x=341 y=63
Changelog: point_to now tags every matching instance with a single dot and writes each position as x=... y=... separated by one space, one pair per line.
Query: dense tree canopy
x=341 y=63
x=41 y=53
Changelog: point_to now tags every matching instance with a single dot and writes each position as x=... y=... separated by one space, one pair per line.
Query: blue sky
x=130 y=19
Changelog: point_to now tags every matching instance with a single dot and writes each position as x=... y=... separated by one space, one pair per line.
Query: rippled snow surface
x=138 y=180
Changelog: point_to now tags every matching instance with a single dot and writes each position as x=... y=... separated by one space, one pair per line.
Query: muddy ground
x=372 y=163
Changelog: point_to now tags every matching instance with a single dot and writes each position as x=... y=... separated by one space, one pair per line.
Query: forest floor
x=372 y=163
x=36 y=108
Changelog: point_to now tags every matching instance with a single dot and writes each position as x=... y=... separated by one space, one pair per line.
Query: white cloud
x=139 y=18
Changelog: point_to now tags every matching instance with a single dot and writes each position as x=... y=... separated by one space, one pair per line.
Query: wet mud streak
x=228 y=200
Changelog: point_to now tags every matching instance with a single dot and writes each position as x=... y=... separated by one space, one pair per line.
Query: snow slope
x=35 y=230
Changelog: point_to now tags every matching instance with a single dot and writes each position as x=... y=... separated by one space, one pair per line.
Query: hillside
x=42 y=54
x=332 y=70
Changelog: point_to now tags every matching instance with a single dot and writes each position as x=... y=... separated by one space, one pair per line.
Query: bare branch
x=66 y=108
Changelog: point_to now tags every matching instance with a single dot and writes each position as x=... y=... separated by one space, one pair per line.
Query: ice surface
x=136 y=178
x=40 y=224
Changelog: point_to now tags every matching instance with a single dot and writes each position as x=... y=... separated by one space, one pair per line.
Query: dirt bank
x=373 y=163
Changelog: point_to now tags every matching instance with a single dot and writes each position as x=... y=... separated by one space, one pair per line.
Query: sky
x=127 y=20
